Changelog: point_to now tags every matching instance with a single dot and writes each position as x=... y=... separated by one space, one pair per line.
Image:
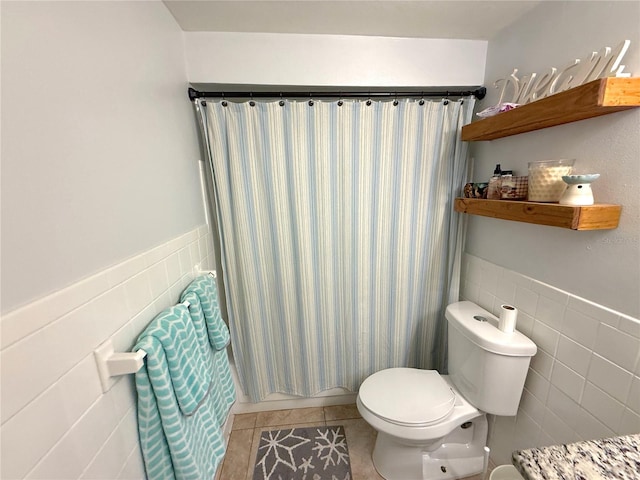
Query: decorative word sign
x=529 y=88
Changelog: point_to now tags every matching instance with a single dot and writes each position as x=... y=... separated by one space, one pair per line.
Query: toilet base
x=459 y=454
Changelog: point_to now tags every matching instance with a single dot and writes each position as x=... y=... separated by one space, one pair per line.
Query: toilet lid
x=407 y=396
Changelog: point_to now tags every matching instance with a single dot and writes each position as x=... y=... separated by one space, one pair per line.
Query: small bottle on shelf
x=493 y=190
x=507 y=185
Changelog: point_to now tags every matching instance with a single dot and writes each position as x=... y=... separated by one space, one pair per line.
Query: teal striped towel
x=202 y=295
x=205 y=289
x=178 y=422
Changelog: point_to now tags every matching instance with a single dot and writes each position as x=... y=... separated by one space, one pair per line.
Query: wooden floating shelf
x=599 y=97
x=592 y=217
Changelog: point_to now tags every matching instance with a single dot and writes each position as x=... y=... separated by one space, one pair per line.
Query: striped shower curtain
x=340 y=247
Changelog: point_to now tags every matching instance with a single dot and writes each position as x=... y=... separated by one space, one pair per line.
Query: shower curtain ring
x=340 y=102
x=281 y=103
x=446 y=98
x=224 y=102
x=251 y=102
x=395 y=101
x=310 y=100
x=369 y=100
x=421 y=102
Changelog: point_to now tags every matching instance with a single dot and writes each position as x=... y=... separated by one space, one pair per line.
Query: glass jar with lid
x=545 y=179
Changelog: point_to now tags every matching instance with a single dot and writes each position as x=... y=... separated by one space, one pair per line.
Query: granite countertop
x=610 y=458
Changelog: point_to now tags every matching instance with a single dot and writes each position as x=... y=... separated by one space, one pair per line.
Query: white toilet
x=433 y=426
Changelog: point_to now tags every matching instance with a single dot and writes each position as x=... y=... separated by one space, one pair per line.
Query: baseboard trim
x=286 y=404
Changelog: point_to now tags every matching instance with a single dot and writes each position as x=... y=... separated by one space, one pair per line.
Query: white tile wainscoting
x=584 y=382
x=56 y=422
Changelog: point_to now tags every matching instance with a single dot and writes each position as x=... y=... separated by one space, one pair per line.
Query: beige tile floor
x=247 y=428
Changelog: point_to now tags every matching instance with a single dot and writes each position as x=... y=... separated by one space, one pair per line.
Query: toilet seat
x=408 y=396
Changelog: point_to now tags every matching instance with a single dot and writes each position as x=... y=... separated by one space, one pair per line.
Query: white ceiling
x=477 y=20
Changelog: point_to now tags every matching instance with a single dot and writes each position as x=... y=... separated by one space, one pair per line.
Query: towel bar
x=198 y=271
x=113 y=364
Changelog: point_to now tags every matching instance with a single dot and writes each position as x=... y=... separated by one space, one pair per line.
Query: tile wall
x=57 y=424
x=584 y=382
x=56 y=421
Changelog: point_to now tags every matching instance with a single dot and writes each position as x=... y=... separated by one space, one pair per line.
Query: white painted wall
x=601 y=266
x=337 y=60
x=102 y=222
x=99 y=145
x=577 y=291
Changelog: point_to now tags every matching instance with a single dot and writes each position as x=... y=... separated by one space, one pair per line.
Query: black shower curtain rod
x=479 y=93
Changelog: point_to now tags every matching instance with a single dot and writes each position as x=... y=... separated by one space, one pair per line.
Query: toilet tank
x=487 y=365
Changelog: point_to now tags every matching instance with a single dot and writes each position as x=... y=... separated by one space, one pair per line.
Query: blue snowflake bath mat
x=313 y=453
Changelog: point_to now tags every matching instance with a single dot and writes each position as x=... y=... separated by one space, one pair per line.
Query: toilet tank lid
x=486 y=335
